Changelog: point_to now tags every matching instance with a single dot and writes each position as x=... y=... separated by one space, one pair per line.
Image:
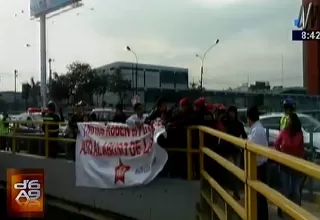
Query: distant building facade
x=266 y=87
x=258 y=86
x=151 y=76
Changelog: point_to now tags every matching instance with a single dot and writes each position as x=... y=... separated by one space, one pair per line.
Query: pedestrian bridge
x=169 y=198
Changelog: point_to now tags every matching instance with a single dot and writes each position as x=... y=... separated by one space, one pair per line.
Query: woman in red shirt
x=290 y=141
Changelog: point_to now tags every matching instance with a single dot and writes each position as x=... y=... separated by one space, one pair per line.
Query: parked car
x=32 y=128
x=107 y=114
x=310 y=129
x=310 y=126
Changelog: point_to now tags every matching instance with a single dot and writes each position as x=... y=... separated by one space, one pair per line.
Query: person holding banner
x=79 y=116
x=119 y=116
x=159 y=112
x=137 y=119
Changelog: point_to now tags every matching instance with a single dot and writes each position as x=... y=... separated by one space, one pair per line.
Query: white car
x=310 y=127
x=36 y=117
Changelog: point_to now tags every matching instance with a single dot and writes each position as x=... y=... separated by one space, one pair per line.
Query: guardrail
x=39 y=134
x=248 y=176
x=43 y=136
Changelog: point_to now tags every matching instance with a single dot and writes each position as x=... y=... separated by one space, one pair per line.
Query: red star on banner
x=120 y=172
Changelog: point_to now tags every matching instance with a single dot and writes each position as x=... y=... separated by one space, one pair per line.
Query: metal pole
x=15 y=88
x=50 y=70
x=282 y=70
x=201 y=75
x=136 y=76
x=43 y=60
x=50 y=77
x=132 y=81
x=202 y=60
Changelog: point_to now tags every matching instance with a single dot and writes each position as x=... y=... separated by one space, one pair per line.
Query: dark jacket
x=182 y=119
x=156 y=113
x=121 y=118
x=234 y=128
x=205 y=118
x=52 y=129
x=73 y=124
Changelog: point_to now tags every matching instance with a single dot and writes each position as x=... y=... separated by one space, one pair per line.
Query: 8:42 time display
x=300 y=35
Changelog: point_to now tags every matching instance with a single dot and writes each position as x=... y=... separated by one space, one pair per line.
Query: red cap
x=209 y=107
x=184 y=101
x=199 y=102
x=219 y=106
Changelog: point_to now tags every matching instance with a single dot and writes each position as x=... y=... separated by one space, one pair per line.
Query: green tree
x=118 y=85
x=82 y=77
x=59 y=89
x=34 y=92
x=196 y=86
x=25 y=95
x=101 y=82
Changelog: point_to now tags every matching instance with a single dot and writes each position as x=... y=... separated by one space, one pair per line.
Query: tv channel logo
x=25 y=193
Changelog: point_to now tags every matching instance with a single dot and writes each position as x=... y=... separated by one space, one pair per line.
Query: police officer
x=289 y=107
x=52 y=129
x=4 y=130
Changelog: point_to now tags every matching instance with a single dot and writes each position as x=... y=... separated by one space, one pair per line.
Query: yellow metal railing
x=42 y=134
x=14 y=125
x=248 y=176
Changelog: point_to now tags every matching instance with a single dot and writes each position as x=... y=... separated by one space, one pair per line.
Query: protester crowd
x=177 y=119
x=222 y=118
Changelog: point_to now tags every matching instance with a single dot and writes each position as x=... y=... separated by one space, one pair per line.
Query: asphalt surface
x=52 y=213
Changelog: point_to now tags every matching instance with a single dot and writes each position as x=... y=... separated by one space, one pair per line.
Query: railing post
x=201 y=145
x=250 y=167
x=310 y=179
x=14 y=138
x=189 y=153
x=46 y=141
x=201 y=166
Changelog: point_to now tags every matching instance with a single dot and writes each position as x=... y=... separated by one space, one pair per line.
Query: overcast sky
x=253 y=34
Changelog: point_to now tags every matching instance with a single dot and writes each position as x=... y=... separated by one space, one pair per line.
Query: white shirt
x=258 y=136
x=133 y=119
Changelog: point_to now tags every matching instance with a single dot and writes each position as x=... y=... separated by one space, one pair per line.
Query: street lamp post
x=50 y=76
x=136 y=71
x=202 y=60
x=74 y=93
x=50 y=69
x=15 y=74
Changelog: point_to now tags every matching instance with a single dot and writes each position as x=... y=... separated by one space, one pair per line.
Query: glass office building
x=151 y=76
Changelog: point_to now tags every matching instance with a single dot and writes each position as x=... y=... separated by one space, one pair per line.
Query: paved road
x=52 y=213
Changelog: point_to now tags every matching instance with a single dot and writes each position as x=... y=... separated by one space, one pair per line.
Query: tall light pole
x=50 y=75
x=282 y=70
x=50 y=68
x=202 y=60
x=136 y=72
x=15 y=74
x=43 y=60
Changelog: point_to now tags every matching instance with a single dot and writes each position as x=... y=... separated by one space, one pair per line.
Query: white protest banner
x=115 y=155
